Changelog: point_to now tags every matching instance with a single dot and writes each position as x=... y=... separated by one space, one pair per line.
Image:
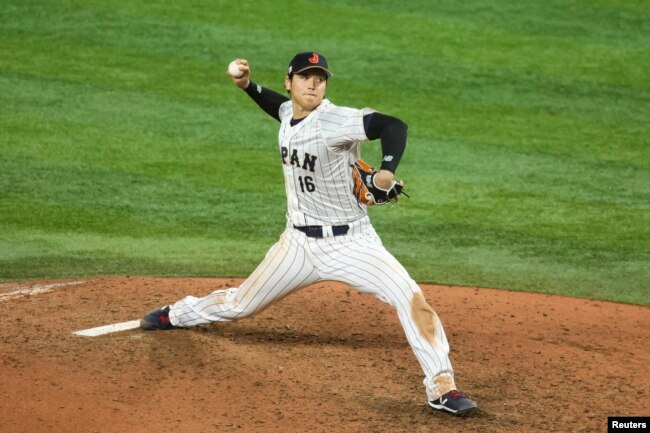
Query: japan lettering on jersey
x=317 y=157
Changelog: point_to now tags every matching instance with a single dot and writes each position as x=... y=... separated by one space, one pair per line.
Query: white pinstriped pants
x=358 y=259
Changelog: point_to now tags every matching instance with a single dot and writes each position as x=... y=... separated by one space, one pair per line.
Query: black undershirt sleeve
x=268 y=100
x=392 y=132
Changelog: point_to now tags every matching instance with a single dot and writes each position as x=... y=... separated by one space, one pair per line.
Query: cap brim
x=327 y=71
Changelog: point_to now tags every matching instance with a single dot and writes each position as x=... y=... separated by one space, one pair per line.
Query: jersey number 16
x=307 y=184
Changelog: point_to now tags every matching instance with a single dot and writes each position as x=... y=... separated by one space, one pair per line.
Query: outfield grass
x=125 y=150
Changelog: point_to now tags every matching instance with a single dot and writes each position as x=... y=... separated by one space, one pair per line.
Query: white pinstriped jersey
x=317 y=157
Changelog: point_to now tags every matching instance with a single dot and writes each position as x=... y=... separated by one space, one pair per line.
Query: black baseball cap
x=308 y=60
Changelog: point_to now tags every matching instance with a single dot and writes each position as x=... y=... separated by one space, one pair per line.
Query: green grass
x=125 y=150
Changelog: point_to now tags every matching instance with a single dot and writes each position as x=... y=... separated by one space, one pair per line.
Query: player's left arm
x=392 y=133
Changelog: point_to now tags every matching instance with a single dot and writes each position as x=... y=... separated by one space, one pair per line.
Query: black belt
x=317 y=231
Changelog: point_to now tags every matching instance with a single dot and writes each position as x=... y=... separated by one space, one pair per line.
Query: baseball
x=233 y=70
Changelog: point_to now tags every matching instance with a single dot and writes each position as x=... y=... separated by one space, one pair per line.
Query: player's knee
x=238 y=309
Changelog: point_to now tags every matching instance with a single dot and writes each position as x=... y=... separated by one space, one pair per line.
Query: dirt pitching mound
x=325 y=359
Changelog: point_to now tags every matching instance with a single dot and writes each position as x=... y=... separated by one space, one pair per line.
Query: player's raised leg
x=284 y=269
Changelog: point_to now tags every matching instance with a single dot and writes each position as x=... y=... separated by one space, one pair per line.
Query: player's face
x=307 y=89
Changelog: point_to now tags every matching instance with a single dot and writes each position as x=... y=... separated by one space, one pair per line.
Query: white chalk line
x=107 y=329
x=34 y=290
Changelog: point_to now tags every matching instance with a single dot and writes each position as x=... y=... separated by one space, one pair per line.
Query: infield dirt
x=325 y=359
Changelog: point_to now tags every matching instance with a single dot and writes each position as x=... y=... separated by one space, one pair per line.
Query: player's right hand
x=243 y=81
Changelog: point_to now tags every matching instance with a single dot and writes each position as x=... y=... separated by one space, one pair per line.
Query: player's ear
x=287 y=83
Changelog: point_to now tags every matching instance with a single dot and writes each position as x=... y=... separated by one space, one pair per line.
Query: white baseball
x=233 y=70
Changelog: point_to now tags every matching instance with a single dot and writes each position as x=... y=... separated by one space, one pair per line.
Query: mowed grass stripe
x=527 y=159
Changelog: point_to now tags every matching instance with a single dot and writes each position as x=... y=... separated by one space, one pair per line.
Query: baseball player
x=328 y=235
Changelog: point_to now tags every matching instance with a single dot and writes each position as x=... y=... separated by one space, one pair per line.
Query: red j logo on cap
x=314 y=58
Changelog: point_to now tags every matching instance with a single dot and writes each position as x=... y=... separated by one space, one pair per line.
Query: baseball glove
x=365 y=189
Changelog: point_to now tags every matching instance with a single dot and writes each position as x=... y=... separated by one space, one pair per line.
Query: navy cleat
x=157 y=319
x=454 y=402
